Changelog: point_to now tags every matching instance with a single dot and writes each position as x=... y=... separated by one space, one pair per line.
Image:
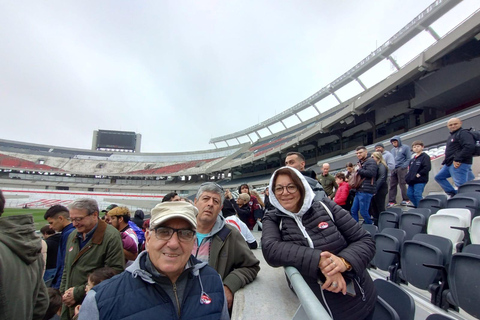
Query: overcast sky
x=178 y=72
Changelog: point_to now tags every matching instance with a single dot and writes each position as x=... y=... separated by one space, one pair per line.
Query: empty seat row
x=426 y=262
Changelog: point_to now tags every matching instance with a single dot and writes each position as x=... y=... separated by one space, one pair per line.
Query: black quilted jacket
x=344 y=237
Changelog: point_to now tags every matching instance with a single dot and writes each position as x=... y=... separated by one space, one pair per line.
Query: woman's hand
x=335 y=284
x=330 y=264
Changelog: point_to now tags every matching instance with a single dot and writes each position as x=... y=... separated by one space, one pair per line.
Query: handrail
x=312 y=307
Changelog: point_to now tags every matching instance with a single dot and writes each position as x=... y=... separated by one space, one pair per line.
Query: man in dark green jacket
x=222 y=245
x=93 y=245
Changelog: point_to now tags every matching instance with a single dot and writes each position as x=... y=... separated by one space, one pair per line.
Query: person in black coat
x=458 y=158
x=381 y=187
x=417 y=176
x=367 y=169
x=323 y=242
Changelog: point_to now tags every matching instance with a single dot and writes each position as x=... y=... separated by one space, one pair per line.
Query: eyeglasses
x=291 y=188
x=212 y=183
x=79 y=219
x=166 y=233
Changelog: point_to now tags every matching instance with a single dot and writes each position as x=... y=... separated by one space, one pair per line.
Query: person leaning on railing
x=323 y=242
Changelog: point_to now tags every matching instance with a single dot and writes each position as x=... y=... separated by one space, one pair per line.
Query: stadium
x=414 y=99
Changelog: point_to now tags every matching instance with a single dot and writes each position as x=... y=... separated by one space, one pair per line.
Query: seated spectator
x=53 y=240
x=323 y=242
x=341 y=197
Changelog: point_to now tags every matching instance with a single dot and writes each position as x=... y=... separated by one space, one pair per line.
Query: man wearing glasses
x=165 y=281
x=94 y=244
x=220 y=244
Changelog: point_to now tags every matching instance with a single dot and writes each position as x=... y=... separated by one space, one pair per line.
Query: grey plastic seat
x=388 y=248
x=387 y=219
x=431 y=203
x=467 y=202
x=396 y=297
x=424 y=262
x=413 y=223
x=473 y=249
x=464 y=281
x=397 y=210
x=371 y=228
x=437 y=316
x=466 y=187
x=384 y=311
x=442 y=197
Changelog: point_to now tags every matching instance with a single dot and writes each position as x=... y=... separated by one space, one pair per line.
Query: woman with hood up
x=323 y=242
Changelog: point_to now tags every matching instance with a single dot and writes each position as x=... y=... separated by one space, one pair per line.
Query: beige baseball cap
x=177 y=209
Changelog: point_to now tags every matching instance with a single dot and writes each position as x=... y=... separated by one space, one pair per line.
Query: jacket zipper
x=176 y=298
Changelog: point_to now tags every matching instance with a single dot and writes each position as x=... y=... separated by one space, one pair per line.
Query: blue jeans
x=459 y=175
x=362 y=202
x=415 y=192
x=48 y=276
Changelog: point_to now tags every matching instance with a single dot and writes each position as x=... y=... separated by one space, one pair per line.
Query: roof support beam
x=336 y=97
x=432 y=32
x=313 y=105
x=361 y=84
x=299 y=117
x=395 y=64
x=283 y=124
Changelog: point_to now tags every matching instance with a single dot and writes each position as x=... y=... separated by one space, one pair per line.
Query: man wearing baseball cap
x=165 y=280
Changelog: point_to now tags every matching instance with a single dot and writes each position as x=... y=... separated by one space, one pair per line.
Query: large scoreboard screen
x=108 y=139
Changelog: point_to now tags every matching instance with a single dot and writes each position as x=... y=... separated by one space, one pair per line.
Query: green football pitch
x=37 y=215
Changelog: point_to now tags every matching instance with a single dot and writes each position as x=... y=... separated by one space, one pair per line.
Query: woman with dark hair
x=256 y=210
x=323 y=242
x=379 y=198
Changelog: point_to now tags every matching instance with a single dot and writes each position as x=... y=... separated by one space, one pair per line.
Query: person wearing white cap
x=165 y=280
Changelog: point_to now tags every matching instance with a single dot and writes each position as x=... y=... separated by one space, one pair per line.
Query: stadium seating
x=441 y=224
x=475 y=231
x=388 y=247
x=414 y=221
x=371 y=228
x=469 y=186
x=424 y=263
x=387 y=219
x=395 y=297
x=464 y=282
x=461 y=201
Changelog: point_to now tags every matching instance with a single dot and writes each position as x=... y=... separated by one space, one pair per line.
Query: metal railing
x=310 y=308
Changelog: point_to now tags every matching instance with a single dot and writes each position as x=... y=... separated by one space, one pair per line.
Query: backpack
x=476 y=137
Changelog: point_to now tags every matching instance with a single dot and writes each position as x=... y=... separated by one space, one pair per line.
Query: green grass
x=37 y=215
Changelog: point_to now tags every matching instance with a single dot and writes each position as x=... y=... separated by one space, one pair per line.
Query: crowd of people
x=191 y=257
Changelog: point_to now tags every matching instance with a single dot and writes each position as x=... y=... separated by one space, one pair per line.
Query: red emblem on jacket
x=205 y=299
x=70 y=250
x=323 y=225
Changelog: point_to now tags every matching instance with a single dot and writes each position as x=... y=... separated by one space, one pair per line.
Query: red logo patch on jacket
x=323 y=225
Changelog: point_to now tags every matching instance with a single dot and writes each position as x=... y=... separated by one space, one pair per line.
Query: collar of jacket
x=100 y=232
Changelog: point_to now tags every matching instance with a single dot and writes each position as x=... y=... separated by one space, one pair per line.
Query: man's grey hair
x=211 y=187
x=88 y=204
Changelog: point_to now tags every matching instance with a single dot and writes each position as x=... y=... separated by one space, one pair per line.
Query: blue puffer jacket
x=135 y=294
